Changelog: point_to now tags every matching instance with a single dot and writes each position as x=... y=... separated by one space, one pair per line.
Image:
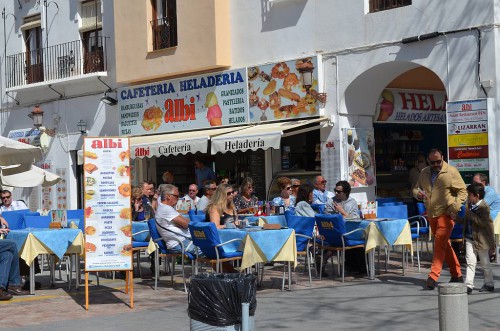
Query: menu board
x=46 y=191
x=108 y=227
x=468 y=136
x=61 y=189
x=360 y=150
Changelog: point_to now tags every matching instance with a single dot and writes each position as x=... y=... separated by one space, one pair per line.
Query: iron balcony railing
x=71 y=59
x=380 y=5
x=164 y=32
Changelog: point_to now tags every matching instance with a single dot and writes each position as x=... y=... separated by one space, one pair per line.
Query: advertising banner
x=188 y=103
x=411 y=106
x=27 y=136
x=47 y=196
x=108 y=227
x=360 y=156
x=468 y=136
x=276 y=91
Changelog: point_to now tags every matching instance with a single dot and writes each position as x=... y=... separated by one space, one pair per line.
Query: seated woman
x=346 y=206
x=221 y=209
x=341 y=202
x=285 y=198
x=246 y=200
x=140 y=211
x=304 y=200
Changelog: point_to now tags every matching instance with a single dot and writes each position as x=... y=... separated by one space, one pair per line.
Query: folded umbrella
x=12 y=176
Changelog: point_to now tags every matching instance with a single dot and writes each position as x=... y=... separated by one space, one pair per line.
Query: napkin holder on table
x=55 y=225
x=271 y=226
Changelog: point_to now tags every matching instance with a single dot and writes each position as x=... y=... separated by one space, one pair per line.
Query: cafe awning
x=175 y=143
x=262 y=136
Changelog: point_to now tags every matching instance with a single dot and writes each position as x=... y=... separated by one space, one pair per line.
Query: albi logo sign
x=106 y=143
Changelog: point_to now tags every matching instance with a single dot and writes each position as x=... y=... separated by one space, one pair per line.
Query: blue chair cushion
x=354 y=242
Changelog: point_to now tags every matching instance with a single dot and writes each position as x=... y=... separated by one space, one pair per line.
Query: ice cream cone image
x=214 y=113
x=386 y=106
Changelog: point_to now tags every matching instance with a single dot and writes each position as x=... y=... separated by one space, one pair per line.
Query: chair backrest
x=15 y=219
x=385 y=200
x=457 y=232
x=461 y=212
x=41 y=222
x=397 y=211
x=421 y=208
x=195 y=218
x=331 y=227
x=396 y=203
x=288 y=213
x=206 y=237
x=153 y=232
x=302 y=225
x=75 y=214
x=318 y=207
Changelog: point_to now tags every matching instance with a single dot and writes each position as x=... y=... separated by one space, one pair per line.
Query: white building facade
x=360 y=52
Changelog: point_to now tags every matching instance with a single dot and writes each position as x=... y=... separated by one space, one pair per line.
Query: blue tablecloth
x=390 y=228
x=269 y=241
x=57 y=240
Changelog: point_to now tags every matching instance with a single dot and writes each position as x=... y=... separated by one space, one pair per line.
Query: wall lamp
x=109 y=100
x=37 y=116
x=306 y=68
x=82 y=127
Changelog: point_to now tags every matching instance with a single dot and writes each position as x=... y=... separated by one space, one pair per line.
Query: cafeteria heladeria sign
x=197 y=102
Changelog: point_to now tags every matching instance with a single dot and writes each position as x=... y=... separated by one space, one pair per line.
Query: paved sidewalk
x=390 y=302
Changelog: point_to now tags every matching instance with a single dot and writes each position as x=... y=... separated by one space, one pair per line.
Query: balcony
x=68 y=60
x=164 y=33
x=380 y=5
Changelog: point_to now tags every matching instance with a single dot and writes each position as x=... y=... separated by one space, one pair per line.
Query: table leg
x=289 y=276
x=371 y=261
x=32 y=277
x=405 y=259
x=77 y=270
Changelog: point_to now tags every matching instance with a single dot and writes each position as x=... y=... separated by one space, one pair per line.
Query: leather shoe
x=455 y=279
x=487 y=288
x=4 y=295
x=469 y=290
x=430 y=284
x=18 y=290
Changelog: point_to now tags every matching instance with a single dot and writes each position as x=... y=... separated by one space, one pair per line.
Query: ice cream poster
x=205 y=101
x=360 y=150
x=276 y=91
x=411 y=106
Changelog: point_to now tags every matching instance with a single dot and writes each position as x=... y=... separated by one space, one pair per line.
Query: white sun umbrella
x=10 y=176
x=15 y=152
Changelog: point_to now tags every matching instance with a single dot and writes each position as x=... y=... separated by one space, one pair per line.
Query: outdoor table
x=262 y=246
x=381 y=232
x=32 y=242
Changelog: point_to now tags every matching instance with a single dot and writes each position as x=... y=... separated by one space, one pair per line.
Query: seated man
x=8 y=204
x=320 y=194
x=10 y=280
x=170 y=224
x=210 y=187
x=491 y=197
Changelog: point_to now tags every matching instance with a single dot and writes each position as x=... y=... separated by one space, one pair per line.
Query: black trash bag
x=216 y=299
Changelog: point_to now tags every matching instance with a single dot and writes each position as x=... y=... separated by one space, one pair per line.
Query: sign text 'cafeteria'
x=197 y=102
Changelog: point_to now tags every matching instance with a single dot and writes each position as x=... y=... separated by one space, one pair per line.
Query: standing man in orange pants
x=443 y=191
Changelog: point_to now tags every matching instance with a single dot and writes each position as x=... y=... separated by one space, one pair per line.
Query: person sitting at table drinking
x=304 y=200
x=170 y=224
x=295 y=187
x=221 y=210
x=140 y=212
x=245 y=202
x=342 y=203
x=347 y=207
x=10 y=279
x=285 y=199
